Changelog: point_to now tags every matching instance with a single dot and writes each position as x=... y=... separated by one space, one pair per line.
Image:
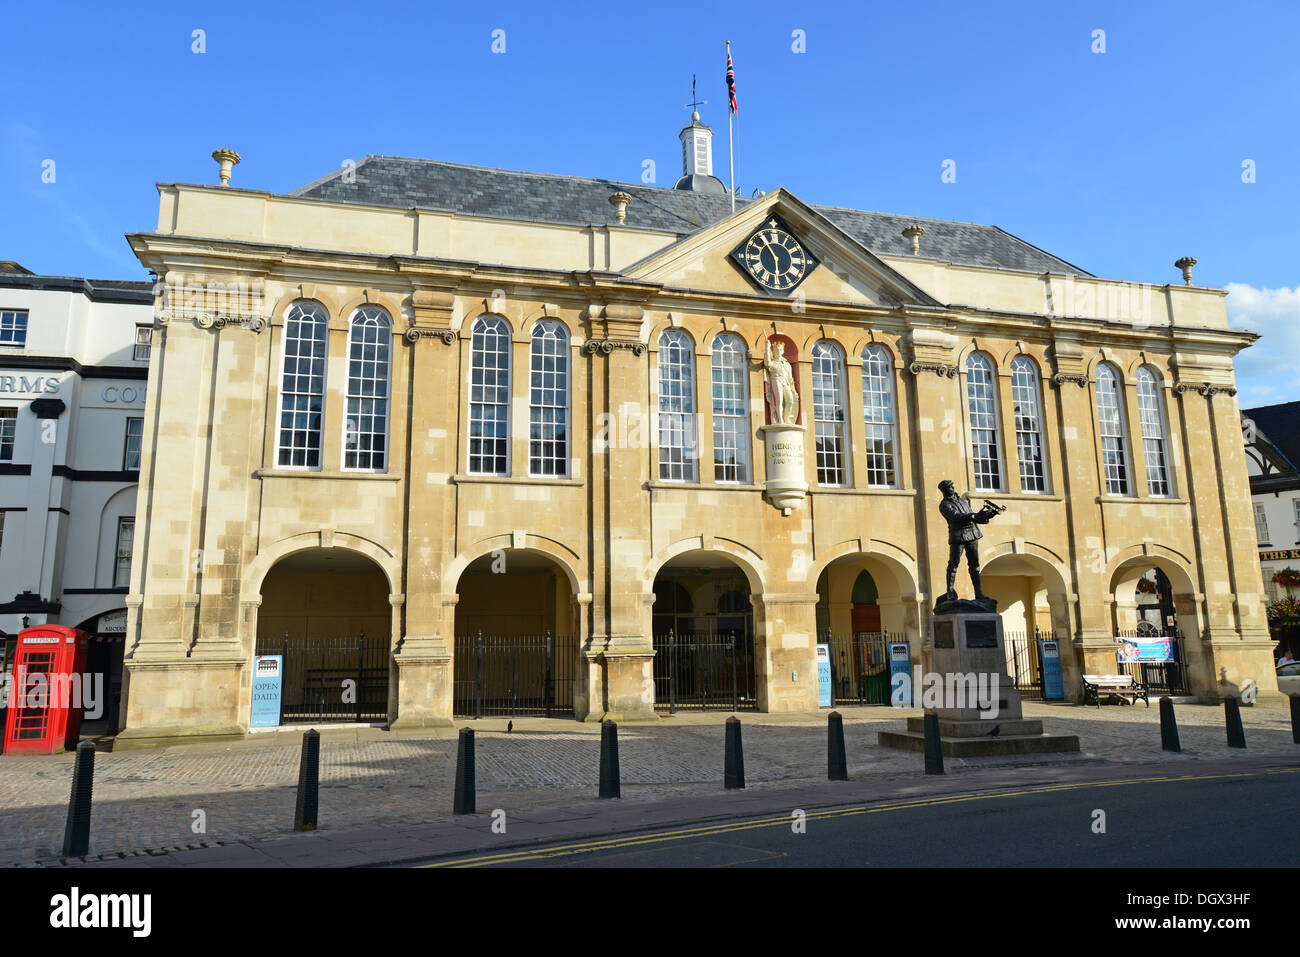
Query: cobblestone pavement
x=147 y=800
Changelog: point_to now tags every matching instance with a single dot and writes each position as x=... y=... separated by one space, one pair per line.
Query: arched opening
x=107 y=633
x=702 y=624
x=516 y=643
x=864 y=604
x=1031 y=596
x=326 y=612
x=1153 y=610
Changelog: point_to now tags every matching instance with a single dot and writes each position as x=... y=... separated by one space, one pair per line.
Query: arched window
x=302 y=385
x=1153 y=432
x=1110 y=423
x=548 y=400
x=365 y=430
x=982 y=410
x=489 y=397
x=1025 y=396
x=829 y=414
x=677 y=449
x=878 y=415
x=730 y=409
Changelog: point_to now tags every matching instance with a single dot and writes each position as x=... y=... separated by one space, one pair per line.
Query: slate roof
x=551 y=198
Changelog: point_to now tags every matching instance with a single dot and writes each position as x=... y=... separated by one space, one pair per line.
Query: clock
x=774 y=258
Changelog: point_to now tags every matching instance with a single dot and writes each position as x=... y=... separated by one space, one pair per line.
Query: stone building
x=425 y=400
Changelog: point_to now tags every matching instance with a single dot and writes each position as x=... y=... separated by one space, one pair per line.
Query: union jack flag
x=731 y=82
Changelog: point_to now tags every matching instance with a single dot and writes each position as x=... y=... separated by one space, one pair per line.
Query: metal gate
x=1025 y=662
x=331 y=679
x=860 y=667
x=704 y=672
x=514 y=675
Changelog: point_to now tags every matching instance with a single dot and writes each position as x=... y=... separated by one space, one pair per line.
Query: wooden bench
x=1121 y=686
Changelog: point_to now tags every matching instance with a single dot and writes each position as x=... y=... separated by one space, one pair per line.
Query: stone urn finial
x=619 y=201
x=1186 y=264
x=227 y=159
x=913 y=232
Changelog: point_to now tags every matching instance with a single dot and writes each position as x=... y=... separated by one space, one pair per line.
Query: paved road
x=1220 y=818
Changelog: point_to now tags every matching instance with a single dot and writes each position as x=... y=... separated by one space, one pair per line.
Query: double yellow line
x=709 y=830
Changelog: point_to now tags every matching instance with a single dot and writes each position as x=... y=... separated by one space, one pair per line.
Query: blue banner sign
x=268 y=675
x=1049 y=652
x=824 y=698
x=1147 y=649
x=900 y=663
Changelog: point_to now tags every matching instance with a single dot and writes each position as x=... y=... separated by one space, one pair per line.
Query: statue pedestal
x=979 y=708
x=785 y=487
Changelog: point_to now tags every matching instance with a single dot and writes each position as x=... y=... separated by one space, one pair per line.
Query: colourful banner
x=1147 y=649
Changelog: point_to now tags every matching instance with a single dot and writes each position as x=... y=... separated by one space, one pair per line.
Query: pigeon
x=994 y=732
x=510 y=726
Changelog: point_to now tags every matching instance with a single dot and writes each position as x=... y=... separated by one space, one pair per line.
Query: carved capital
x=941 y=369
x=416 y=333
x=607 y=346
x=1078 y=378
x=1205 y=388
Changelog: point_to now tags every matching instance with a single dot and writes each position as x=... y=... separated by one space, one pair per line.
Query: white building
x=74 y=359
x=1272 y=437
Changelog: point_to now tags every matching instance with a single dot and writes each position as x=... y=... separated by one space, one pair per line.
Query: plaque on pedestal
x=786 y=487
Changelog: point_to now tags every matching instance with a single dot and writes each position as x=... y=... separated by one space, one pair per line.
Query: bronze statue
x=963 y=533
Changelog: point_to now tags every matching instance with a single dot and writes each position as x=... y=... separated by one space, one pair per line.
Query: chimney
x=913 y=233
x=619 y=201
x=227 y=159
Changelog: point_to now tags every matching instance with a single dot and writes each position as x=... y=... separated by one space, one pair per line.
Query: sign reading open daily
x=268 y=674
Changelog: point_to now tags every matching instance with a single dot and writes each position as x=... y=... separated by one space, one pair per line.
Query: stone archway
x=705 y=634
x=1143 y=583
x=865 y=601
x=516 y=627
x=327 y=612
x=1033 y=601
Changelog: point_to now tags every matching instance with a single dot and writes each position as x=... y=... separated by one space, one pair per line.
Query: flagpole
x=731 y=149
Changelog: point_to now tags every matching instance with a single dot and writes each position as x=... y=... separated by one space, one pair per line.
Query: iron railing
x=331 y=679
x=513 y=675
x=1025 y=661
x=860 y=672
x=704 y=672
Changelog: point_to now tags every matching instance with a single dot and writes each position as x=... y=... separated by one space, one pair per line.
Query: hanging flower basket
x=1146 y=586
x=1288 y=578
x=1284 y=611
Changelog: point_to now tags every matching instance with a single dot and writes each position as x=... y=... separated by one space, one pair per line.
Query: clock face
x=774 y=258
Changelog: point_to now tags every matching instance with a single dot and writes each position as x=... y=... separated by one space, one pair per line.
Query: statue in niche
x=782 y=397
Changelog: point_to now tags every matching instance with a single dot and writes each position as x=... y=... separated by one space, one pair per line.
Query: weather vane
x=694 y=104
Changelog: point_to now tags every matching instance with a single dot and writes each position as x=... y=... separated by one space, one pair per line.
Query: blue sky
x=1119 y=161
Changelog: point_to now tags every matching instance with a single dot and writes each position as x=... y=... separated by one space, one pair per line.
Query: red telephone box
x=45 y=703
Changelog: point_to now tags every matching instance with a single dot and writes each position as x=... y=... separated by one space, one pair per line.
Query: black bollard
x=304 y=814
x=837 y=763
x=734 y=763
x=76 y=835
x=609 y=773
x=933 y=746
x=1295 y=718
x=1236 y=733
x=463 y=801
x=1168 y=726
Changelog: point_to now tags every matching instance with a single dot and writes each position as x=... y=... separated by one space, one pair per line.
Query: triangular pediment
x=844 y=270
